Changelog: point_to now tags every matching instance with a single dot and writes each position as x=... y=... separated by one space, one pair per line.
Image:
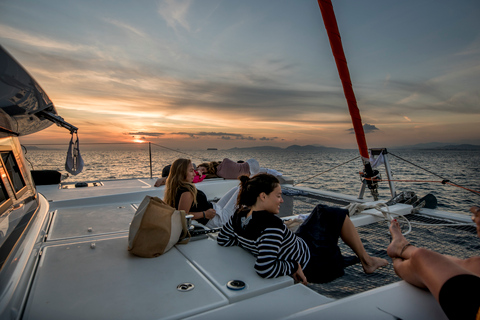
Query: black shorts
x=459 y=298
x=321 y=231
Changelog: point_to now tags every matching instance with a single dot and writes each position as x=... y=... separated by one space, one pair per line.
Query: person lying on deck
x=226 y=169
x=209 y=169
x=311 y=254
x=452 y=281
x=199 y=176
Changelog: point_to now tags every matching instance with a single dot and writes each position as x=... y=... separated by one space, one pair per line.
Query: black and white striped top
x=276 y=248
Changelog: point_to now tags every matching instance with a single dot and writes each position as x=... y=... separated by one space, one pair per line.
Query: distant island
x=420 y=146
x=440 y=146
x=212 y=149
x=290 y=148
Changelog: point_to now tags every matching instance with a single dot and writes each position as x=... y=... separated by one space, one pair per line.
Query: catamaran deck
x=85 y=263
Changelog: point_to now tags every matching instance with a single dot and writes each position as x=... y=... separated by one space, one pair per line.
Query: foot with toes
x=399 y=243
x=370 y=264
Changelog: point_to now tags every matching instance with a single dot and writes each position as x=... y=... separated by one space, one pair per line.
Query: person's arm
x=185 y=203
x=227 y=236
x=268 y=263
x=299 y=276
x=160 y=182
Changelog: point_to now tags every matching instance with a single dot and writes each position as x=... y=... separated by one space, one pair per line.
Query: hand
x=210 y=213
x=299 y=276
x=160 y=182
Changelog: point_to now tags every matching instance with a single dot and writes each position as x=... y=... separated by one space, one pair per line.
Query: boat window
x=13 y=220
x=13 y=170
x=3 y=193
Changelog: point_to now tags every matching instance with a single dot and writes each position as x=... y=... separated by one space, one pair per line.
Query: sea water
x=424 y=170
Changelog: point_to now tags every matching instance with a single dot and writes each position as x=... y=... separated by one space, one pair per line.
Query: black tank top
x=202 y=203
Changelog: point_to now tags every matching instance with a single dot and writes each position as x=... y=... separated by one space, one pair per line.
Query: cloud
x=175 y=13
x=125 y=26
x=367 y=128
x=268 y=139
x=260 y=102
x=36 y=40
x=220 y=135
x=405 y=97
x=150 y=134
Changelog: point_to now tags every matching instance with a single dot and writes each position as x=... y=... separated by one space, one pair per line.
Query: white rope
x=356 y=208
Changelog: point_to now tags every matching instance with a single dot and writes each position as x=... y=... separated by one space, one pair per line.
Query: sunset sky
x=212 y=73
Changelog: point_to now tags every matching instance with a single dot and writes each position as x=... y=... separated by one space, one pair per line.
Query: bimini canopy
x=24 y=107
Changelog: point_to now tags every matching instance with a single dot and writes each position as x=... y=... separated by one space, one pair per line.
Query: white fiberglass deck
x=86 y=272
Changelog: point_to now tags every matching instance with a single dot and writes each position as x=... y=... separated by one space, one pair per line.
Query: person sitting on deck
x=311 y=254
x=182 y=194
x=452 y=281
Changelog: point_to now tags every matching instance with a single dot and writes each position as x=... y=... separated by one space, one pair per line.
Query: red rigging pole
x=330 y=22
x=336 y=43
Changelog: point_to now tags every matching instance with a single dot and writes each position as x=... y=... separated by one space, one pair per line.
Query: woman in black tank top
x=181 y=193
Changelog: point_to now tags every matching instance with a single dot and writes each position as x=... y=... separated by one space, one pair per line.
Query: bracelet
x=204 y=215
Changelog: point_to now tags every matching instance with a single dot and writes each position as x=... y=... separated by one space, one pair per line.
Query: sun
x=139 y=141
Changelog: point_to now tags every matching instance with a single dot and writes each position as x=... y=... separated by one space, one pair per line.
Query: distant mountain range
x=424 y=146
x=290 y=148
x=440 y=146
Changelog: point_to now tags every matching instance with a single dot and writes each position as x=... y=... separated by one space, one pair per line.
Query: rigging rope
x=295 y=184
x=429 y=181
x=171 y=149
x=444 y=181
x=413 y=164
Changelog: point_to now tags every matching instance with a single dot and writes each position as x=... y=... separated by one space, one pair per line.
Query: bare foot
x=398 y=241
x=373 y=263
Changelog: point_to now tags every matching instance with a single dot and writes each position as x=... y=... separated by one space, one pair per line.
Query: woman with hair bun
x=311 y=253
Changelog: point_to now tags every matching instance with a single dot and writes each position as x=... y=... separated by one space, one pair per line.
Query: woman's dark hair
x=250 y=188
x=211 y=168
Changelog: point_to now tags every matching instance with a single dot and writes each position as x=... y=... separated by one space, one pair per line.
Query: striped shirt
x=277 y=249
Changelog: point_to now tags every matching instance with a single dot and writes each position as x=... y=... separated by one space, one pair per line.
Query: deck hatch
x=76 y=282
x=91 y=220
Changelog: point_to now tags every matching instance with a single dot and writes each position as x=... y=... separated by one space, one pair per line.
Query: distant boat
x=212 y=149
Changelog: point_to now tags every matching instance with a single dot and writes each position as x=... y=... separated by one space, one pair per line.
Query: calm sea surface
x=460 y=167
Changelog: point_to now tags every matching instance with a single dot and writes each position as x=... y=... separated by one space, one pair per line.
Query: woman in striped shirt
x=311 y=253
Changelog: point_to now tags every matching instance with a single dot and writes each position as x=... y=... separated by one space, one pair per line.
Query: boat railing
x=150 y=158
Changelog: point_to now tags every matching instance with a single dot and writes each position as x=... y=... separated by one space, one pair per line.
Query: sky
x=195 y=74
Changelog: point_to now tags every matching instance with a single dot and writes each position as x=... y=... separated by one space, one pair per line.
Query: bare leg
x=471 y=264
x=350 y=236
x=421 y=267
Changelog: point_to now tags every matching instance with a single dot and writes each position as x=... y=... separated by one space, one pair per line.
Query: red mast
x=330 y=22
x=336 y=43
